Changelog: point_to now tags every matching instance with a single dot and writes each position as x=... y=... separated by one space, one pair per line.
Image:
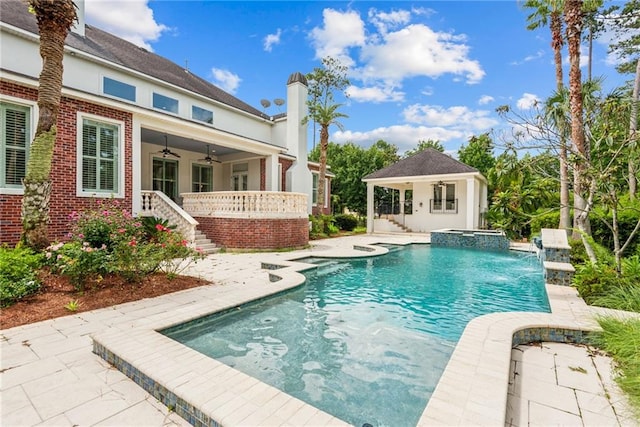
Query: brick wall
x=63 y=172
x=240 y=233
x=286 y=164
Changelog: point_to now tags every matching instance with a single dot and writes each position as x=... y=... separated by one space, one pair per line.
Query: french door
x=165 y=177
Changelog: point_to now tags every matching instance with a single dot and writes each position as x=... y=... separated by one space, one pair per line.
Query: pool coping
x=207 y=392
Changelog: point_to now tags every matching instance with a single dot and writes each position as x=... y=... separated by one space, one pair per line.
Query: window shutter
x=15 y=143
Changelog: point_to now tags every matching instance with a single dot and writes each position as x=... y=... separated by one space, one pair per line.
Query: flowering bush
x=107 y=239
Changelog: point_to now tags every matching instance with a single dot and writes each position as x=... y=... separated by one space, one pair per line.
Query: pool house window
x=14 y=144
x=444 y=198
x=165 y=103
x=118 y=89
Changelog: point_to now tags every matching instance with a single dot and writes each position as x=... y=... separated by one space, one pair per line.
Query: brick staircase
x=204 y=244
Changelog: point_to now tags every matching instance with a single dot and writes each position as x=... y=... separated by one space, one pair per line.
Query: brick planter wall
x=63 y=172
x=242 y=233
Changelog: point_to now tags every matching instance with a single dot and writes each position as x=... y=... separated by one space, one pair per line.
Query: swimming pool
x=367 y=340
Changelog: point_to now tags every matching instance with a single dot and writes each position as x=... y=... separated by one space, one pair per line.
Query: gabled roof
x=121 y=52
x=424 y=163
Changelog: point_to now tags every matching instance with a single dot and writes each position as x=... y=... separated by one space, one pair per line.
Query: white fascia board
x=425 y=178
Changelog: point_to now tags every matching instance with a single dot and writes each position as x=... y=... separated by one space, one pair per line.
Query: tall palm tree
x=55 y=19
x=574 y=19
x=549 y=12
x=323 y=82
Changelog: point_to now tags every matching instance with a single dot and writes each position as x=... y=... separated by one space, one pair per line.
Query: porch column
x=136 y=167
x=471 y=206
x=271 y=173
x=370 y=207
x=402 y=196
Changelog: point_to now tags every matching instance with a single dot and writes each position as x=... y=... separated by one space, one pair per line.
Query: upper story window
x=165 y=103
x=201 y=114
x=100 y=154
x=14 y=144
x=119 y=89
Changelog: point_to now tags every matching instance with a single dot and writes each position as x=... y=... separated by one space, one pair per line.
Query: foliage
x=628 y=213
x=478 y=154
x=544 y=218
x=578 y=254
x=600 y=284
x=72 y=305
x=18 y=274
x=621 y=298
x=346 y=222
x=107 y=239
x=350 y=163
x=621 y=339
x=628 y=45
x=594 y=281
x=322 y=226
x=423 y=145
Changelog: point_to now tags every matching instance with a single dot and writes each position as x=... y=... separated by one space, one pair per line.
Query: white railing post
x=158 y=204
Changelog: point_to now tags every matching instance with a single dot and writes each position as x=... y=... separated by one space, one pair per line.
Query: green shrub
x=595 y=280
x=79 y=261
x=625 y=297
x=322 y=226
x=346 y=222
x=18 y=274
x=627 y=220
x=544 y=220
x=107 y=239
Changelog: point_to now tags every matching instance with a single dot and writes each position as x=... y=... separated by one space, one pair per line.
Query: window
x=101 y=156
x=201 y=178
x=165 y=103
x=240 y=177
x=14 y=144
x=118 y=89
x=314 y=189
x=444 y=199
x=165 y=177
x=201 y=114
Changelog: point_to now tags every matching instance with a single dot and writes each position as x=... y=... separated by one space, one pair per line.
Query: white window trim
x=177 y=114
x=80 y=116
x=116 y=98
x=33 y=106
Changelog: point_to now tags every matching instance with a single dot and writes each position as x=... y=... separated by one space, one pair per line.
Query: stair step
x=201 y=241
x=208 y=248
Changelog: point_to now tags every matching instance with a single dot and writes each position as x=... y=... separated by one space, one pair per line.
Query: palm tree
x=55 y=18
x=550 y=12
x=574 y=19
x=323 y=82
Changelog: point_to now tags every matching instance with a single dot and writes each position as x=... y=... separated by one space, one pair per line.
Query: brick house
x=139 y=128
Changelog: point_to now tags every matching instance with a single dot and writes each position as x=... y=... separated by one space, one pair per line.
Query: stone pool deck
x=50 y=376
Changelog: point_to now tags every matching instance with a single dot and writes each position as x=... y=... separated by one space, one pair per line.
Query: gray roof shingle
x=426 y=162
x=121 y=52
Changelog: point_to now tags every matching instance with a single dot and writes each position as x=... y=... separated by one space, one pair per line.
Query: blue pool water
x=367 y=339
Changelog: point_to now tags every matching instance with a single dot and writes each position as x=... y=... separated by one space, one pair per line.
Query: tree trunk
x=556 y=44
x=633 y=133
x=573 y=20
x=55 y=18
x=322 y=172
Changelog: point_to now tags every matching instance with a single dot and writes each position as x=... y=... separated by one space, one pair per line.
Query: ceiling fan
x=208 y=158
x=165 y=151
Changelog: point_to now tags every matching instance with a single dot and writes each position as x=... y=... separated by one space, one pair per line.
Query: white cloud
x=374 y=94
x=427 y=91
x=527 y=101
x=383 y=21
x=417 y=50
x=272 y=39
x=485 y=99
x=456 y=117
x=132 y=21
x=340 y=32
x=539 y=54
x=226 y=80
x=405 y=137
x=393 y=49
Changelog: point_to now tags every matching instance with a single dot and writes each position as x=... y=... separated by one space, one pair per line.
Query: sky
x=418 y=70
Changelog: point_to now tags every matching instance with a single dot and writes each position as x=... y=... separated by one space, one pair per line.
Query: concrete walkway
x=49 y=375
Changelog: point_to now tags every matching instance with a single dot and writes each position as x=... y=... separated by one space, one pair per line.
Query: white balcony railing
x=246 y=204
